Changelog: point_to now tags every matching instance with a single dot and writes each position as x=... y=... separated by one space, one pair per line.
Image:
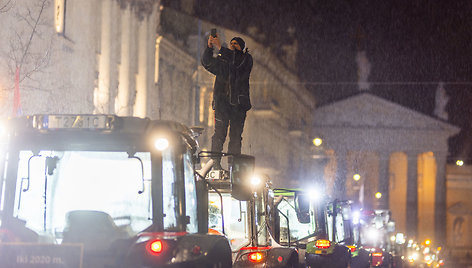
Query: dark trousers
x=227 y=115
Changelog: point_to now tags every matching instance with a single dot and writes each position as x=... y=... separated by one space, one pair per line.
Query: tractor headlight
x=161 y=144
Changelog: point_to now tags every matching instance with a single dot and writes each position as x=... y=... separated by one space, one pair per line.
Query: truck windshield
x=261 y=220
x=341 y=224
x=297 y=229
x=235 y=219
x=54 y=187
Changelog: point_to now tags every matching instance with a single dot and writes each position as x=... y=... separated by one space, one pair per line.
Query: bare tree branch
x=6 y=6
x=26 y=49
x=32 y=34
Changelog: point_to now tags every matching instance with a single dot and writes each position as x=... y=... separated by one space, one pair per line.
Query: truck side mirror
x=302 y=207
x=241 y=171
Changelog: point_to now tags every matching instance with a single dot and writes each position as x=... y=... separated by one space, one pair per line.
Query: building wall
x=101 y=61
x=174 y=96
x=459 y=210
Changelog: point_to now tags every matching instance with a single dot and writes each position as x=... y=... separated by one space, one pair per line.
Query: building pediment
x=369 y=111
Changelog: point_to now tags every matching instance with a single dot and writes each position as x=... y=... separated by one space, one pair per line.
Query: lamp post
x=318 y=161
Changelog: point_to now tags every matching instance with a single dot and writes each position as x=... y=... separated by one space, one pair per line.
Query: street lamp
x=317 y=142
x=459 y=163
x=378 y=195
x=356 y=177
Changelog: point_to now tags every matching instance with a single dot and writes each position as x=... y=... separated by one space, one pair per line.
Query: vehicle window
x=261 y=219
x=340 y=232
x=61 y=183
x=329 y=223
x=297 y=230
x=169 y=187
x=2 y=176
x=190 y=194
x=235 y=218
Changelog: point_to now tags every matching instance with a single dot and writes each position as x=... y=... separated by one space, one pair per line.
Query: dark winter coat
x=232 y=70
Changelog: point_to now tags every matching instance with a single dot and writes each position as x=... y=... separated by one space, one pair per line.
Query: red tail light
x=255 y=256
x=322 y=243
x=154 y=246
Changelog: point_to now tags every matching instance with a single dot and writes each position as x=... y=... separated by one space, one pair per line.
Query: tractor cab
x=102 y=191
x=318 y=229
x=241 y=207
x=343 y=225
x=376 y=229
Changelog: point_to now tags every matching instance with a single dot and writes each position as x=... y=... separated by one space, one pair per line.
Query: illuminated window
x=201 y=117
x=156 y=60
x=59 y=15
x=211 y=113
x=190 y=194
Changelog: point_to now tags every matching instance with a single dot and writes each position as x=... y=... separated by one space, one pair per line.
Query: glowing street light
x=378 y=195
x=459 y=163
x=356 y=177
x=317 y=141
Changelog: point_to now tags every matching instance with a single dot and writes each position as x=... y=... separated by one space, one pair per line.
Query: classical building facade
x=397 y=152
x=78 y=56
x=109 y=56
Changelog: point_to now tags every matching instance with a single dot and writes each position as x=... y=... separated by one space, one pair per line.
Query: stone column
x=101 y=96
x=412 y=195
x=384 y=158
x=339 y=188
x=140 y=106
x=440 y=198
x=122 y=102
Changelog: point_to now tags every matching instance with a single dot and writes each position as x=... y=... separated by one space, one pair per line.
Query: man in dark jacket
x=231 y=101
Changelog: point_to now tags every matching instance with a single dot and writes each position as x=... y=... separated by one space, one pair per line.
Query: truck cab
x=102 y=191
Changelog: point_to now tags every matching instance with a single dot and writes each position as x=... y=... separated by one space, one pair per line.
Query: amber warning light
x=322 y=243
x=255 y=256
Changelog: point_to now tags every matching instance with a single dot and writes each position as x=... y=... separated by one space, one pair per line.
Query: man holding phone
x=232 y=68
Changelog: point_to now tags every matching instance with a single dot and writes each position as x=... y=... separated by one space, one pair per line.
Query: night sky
x=411 y=45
